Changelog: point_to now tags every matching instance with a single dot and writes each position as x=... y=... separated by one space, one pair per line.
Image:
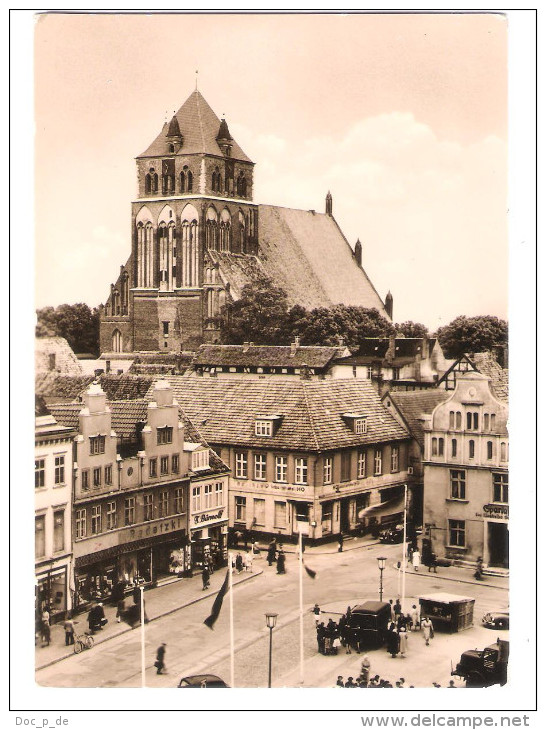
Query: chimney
x=294 y=346
x=163 y=394
x=391 y=350
x=389 y=304
x=329 y=204
x=95 y=399
x=358 y=252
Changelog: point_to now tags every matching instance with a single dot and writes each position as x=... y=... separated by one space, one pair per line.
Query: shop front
x=52 y=593
x=208 y=536
x=140 y=557
x=496 y=553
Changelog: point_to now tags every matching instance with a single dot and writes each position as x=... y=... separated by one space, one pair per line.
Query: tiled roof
x=225 y=411
x=191 y=433
x=116 y=387
x=40 y=408
x=237 y=269
x=67 y=414
x=307 y=255
x=414 y=404
x=265 y=355
x=199 y=127
x=487 y=365
x=66 y=361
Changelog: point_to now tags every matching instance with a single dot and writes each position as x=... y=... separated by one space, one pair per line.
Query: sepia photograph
x=271 y=361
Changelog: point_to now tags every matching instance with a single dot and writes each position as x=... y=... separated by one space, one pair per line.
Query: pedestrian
x=428 y=629
x=281 y=563
x=249 y=557
x=416 y=559
x=397 y=609
x=350 y=683
x=433 y=562
x=415 y=622
x=340 y=682
x=239 y=563
x=321 y=631
x=316 y=611
x=451 y=684
x=205 y=577
x=403 y=641
x=45 y=628
x=393 y=645
x=393 y=615
x=478 y=575
x=68 y=630
x=340 y=543
x=271 y=550
x=160 y=659
x=365 y=670
x=136 y=609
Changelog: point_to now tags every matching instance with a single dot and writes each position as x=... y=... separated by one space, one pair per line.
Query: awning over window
x=384 y=509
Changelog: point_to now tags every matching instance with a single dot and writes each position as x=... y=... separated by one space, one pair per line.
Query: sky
x=402 y=117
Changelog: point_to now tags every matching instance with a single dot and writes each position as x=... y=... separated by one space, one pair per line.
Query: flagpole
x=405 y=555
x=142 y=642
x=301 y=605
x=231 y=634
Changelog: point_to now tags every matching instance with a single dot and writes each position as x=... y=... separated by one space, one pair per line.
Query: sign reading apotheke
x=206 y=517
x=284 y=490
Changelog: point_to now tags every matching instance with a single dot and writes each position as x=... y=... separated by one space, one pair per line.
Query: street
x=343 y=579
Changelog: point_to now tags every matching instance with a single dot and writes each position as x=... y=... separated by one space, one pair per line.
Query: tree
x=77 y=323
x=411 y=329
x=259 y=316
x=472 y=334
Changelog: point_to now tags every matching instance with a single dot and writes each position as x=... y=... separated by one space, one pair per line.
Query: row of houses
x=145 y=489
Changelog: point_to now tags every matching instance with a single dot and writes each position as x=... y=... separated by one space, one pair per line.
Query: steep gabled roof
x=238 y=270
x=488 y=365
x=66 y=361
x=117 y=387
x=311 y=412
x=413 y=404
x=307 y=255
x=199 y=127
x=265 y=356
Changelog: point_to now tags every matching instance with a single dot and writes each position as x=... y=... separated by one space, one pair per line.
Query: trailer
x=448 y=611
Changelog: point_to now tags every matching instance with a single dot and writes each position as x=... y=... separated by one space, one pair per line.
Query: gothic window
x=241 y=185
x=155 y=182
x=148 y=184
x=189 y=247
x=182 y=182
x=125 y=293
x=190 y=181
x=163 y=252
x=216 y=180
x=171 y=148
x=225 y=231
x=211 y=229
x=242 y=233
x=117 y=342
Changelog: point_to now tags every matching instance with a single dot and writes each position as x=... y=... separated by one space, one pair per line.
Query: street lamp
x=381 y=565
x=270 y=621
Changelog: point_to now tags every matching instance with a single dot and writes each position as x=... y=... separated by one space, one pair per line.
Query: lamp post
x=381 y=565
x=270 y=620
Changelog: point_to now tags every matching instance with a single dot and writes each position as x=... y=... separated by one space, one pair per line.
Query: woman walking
x=428 y=629
x=403 y=641
x=416 y=559
x=205 y=577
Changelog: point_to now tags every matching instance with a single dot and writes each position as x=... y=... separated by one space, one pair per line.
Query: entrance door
x=344 y=521
x=497 y=542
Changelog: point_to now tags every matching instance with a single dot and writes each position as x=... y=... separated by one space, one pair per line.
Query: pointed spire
x=389 y=302
x=358 y=252
x=223 y=133
x=329 y=204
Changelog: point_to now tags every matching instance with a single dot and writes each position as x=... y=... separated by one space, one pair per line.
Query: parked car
x=496 y=620
x=392 y=535
x=202 y=680
x=367 y=626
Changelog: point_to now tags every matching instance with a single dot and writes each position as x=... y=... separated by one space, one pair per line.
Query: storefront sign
x=208 y=517
x=278 y=489
x=498 y=511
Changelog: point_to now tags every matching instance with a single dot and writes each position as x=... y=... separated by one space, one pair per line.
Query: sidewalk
x=160 y=601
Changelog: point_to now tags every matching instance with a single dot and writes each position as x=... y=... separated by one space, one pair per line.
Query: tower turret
x=358 y=252
x=389 y=304
x=329 y=204
x=224 y=138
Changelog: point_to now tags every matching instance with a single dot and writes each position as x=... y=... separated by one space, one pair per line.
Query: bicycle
x=83 y=641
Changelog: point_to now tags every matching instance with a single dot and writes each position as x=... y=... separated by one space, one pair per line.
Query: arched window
x=471 y=449
x=171 y=148
x=453 y=447
x=503 y=451
x=117 y=341
x=125 y=294
x=216 y=180
x=190 y=181
x=155 y=182
x=489 y=449
x=225 y=230
x=148 y=183
x=182 y=182
x=241 y=185
x=189 y=247
x=242 y=232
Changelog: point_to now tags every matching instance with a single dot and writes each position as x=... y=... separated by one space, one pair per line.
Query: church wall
x=107 y=330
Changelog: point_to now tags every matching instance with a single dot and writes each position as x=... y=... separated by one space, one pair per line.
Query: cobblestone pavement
x=342 y=579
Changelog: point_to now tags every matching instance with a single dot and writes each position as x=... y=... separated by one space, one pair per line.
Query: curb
x=159 y=615
x=455 y=580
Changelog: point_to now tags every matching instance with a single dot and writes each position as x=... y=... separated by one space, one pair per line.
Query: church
x=198 y=238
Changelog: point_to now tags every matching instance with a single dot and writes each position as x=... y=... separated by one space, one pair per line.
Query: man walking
x=160 y=659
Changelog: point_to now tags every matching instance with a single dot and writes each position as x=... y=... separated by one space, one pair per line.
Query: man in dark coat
x=281 y=560
x=271 y=550
x=160 y=659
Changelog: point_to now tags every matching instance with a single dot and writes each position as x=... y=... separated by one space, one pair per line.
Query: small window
x=486 y=421
x=164 y=435
x=81 y=523
x=453 y=447
x=263 y=428
x=500 y=488
x=327 y=470
x=59 y=470
x=196 y=499
x=165 y=329
x=175 y=463
x=471 y=448
x=458 y=420
x=39 y=473
x=457 y=533
x=457 y=484
x=241 y=465
x=164 y=465
x=493 y=421
x=240 y=509
x=207 y=496
x=200 y=460
x=361 y=425
x=96 y=519
x=361 y=465
x=111 y=516
x=178 y=501
x=451 y=419
x=378 y=462
x=281 y=469
x=300 y=471
x=97 y=477
x=440 y=447
x=85 y=480
x=108 y=475
x=130 y=511
x=152 y=467
x=260 y=466
x=148 y=507
x=97 y=444
x=219 y=494
x=504 y=451
x=163 y=503
x=489 y=449
x=345 y=466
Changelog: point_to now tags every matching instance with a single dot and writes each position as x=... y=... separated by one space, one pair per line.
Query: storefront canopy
x=384 y=509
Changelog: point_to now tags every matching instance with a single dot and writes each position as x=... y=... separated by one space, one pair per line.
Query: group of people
x=401 y=624
x=375 y=681
x=275 y=553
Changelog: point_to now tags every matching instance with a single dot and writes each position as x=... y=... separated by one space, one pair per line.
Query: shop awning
x=384 y=509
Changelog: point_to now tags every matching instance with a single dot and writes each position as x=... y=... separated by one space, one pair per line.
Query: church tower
x=193 y=206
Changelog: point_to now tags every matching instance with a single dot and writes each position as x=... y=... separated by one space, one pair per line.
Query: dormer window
x=267 y=425
x=200 y=460
x=97 y=444
x=357 y=422
x=164 y=435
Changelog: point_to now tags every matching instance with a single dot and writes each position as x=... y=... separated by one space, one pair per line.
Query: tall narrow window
x=148 y=507
x=129 y=510
x=207 y=496
x=196 y=499
x=96 y=519
x=259 y=511
x=440 y=447
x=486 y=421
x=345 y=466
x=395 y=458
x=361 y=465
x=240 y=509
x=280 y=514
x=97 y=477
x=281 y=469
x=59 y=470
x=489 y=449
x=81 y=523
x=493 y=420
x=500 y=488
x=327 y=473
x=164 y=465
x=58 y=530
x=108 y=475
x=241 y=465
x=458 y=420
x=152 y=467
x=300 y=471
x=111 y=516
x=259 y=466
x=39 y=473
x=453 y=447
x=471 y=449
x=39 y=537
x=503 y=451
x=378 y=462
x=451 y=419
x=163 y=503
x=175 y=463
x=178 y=500
x=219 y=494
x=434 y=446
x=457 y=484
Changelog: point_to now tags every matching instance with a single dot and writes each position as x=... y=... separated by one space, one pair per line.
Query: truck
x=484 y=668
